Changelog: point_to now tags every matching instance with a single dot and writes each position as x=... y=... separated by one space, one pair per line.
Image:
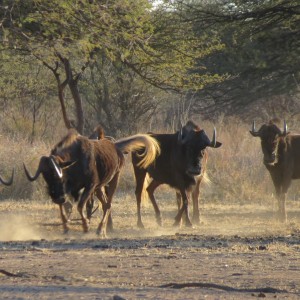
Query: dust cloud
x=17 y=228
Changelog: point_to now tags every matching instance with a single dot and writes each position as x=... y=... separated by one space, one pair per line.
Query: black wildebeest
x=179 y=165
x=77 y=163
x=281 y=156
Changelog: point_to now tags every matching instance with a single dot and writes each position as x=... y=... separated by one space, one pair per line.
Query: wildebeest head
x=193 y=141
x=51 y=169
x=269 y=135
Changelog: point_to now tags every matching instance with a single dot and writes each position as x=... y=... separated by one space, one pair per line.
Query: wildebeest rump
x=281 y=156
x=77 y=163
x=179 y=165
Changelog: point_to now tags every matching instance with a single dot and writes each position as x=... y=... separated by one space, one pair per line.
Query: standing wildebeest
x=77 y=163
x=178 y=165
x=281 y=152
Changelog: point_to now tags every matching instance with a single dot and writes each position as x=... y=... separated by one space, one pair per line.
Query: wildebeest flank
x=77 y=163
x=179 y=165
x=281 y=156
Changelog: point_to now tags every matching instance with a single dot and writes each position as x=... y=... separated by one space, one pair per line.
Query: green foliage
x=68 y=36
x=261 y=51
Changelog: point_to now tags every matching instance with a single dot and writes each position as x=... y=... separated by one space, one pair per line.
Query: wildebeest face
x=193 y=150
x=269 y=144
x=52 y=174
x=54 y=183
x=269 y=135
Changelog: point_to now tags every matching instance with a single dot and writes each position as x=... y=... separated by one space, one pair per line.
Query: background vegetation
x=137 y=66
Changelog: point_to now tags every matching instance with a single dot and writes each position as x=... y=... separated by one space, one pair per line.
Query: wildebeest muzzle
x=270 y=159
x=194 y=171
x=60 y=200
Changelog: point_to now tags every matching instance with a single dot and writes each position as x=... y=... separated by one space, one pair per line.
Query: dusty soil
x=237 y=252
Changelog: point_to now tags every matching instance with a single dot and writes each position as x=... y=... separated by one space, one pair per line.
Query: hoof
x=188 y=224
x=159 y=222
x=140 y=225
x=176 y=223
x=101 y=234
x=85 y=229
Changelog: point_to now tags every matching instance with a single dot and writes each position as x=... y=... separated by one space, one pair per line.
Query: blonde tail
x=138 y=142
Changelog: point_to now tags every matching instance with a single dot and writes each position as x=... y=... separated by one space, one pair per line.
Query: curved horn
x=180 y=136
x=214 y=139
x=38 y=171
x=10 y=181
x=253 y=127
x=253 y=131
x=56 y=167
x=284 y=128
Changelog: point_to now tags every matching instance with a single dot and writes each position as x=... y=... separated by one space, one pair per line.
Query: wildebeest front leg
x=195 y=198
x=281 y=207
x=63 y=218
x=183 y=209
x=86 y=195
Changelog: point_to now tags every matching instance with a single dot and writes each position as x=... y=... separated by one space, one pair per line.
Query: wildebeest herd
x=87 y=167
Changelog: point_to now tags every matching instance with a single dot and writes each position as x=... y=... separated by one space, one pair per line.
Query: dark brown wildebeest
x=179 y=165
x=97 y=134
x=281 y=151
x=77 y=163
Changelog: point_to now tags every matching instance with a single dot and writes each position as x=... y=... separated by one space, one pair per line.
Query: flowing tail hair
x=138 y=142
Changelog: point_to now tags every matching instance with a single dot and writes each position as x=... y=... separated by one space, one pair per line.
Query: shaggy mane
x=68 y=140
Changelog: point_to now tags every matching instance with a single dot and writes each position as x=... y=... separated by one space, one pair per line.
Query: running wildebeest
x=97 y=134
x=194 y=191
x=77 y=163
x=179 y=165
x=281 y=151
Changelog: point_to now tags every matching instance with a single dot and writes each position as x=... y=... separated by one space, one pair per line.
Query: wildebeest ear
x=255 y=134
x=67 y=164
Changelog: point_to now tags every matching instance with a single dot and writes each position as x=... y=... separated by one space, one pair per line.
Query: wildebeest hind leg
x=140 y=175
x=110 y=191
x=101 y=230
x=150 y=189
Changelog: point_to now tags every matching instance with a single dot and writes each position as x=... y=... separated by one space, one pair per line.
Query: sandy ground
x=237 y=252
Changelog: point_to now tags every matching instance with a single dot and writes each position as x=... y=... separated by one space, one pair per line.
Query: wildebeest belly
x=171 y=177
